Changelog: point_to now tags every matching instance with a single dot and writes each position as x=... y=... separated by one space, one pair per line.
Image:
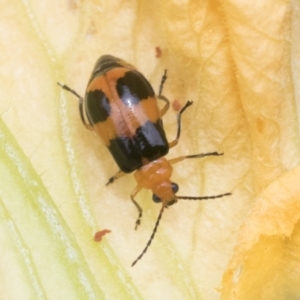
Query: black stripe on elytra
x=126 y=154
x=97 y=106
x=133 y=87
x=104 y=64
x=149 y=142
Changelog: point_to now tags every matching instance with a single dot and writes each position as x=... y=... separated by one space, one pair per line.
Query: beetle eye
x=156 y=199
x=175 y=187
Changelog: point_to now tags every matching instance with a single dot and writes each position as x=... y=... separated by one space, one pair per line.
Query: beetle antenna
x=151 y=237
x=203 y=198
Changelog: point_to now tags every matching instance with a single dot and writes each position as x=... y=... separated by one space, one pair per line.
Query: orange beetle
x=121 y=107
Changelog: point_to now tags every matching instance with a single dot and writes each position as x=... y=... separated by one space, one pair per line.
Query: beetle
x=121 y=107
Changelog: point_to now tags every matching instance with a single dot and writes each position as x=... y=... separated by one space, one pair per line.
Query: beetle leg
x=180 y=158
x=116 y=176
x=161 y=97
x=133 y=194
x=161 y=86
x=167 y=105
x=174 y=143
x=65 y=87
x=87 y=125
